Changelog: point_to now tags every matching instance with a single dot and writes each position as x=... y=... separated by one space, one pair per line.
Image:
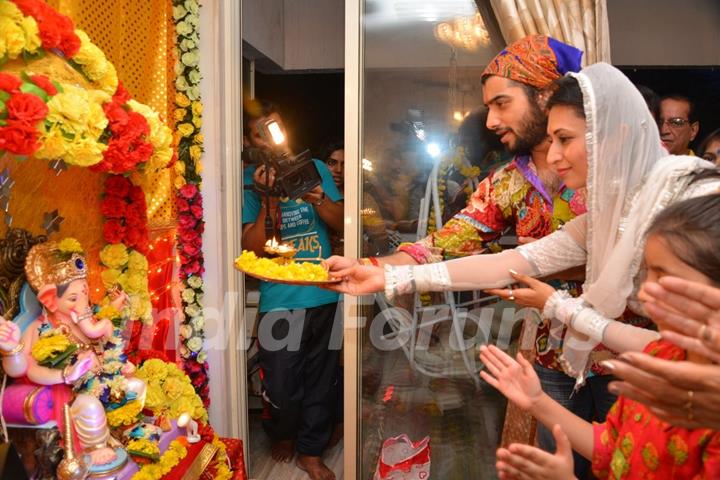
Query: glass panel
x=418 y=363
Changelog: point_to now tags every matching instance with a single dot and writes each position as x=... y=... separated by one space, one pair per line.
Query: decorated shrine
x=101 y=221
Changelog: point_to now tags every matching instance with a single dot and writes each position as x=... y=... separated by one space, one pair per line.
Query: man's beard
x=532 y=131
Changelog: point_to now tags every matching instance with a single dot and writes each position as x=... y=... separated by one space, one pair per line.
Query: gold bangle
x=364 y=261
x=64 y=374
x=14 y=351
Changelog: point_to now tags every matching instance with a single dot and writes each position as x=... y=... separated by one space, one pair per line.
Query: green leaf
x=4 y=96
x=59 y=87
x=30 y=57
x=35 y=90
x=4 y=59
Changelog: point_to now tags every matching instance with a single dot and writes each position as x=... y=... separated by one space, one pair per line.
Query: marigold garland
x=172 y=456
x=189 y=138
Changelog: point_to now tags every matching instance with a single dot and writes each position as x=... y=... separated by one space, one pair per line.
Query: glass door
x=416 y=80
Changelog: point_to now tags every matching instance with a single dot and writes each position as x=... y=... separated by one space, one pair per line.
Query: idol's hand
x=9 y=335
x=359 y=280
x=534 y=296
x=526 y=462
x=517 y=381
x=84 y=364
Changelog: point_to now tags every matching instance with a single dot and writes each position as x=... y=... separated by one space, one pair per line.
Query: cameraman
x=297 y=376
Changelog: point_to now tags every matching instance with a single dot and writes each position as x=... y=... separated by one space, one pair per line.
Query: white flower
x=195 y=344
x=187 y=44
x=194 y=76
x=179 y=68
x=190 y=59
x=193 y=93
x=188 y=295
x=193 y=19
x=184 y=352
x=179 y=12
x=183 y=28
x=186 y=331
x=192 y=6
x=202 y=356
x=192 y=310
x=194 y=281
x=181 y=84
x=198 y=323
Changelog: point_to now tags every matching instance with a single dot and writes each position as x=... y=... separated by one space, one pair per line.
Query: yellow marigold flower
x=12 y=38
x=110 y=277
x=70 y=245
x=136 y=283
x=91 y=59
x=185 y=129
x=109 y=82
x=137 y=262
x=32 y=34
x=108 y=312
x=154 y=369
x=180 y=114
x=199 y=138
x=155 y=397
x=10 y=10
x=197 y=108
x=125 y=415
x=195 y=152
x=114 y=255
x=85 y=152
x=70 y=109
x=182 y=100
x=49 y=346
x=144 y=445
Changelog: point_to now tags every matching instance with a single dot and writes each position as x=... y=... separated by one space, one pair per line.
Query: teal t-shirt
x=302 y=227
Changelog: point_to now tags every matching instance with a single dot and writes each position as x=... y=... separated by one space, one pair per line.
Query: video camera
x=294 y=175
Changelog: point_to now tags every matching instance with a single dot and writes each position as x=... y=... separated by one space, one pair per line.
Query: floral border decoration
x=189 y=138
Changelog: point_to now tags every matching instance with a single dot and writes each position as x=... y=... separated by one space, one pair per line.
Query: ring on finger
x=689 y=406
x=510 y=295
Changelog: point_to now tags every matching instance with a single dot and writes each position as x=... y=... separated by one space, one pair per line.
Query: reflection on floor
x=262 y=467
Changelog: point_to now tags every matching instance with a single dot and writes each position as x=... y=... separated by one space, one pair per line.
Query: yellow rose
x=197 y=121
x=199 y=138
x=199 y=167
x=195 y=152
x=182 y=100
x=180 y=114
x=185 y=129
x=197 y=108
x=114 y=256
x=32 y=34
x=179 y=182
x=179 y=168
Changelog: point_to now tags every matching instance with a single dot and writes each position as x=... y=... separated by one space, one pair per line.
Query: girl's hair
x=712 y=136
x=691 y=229
x=567 y=93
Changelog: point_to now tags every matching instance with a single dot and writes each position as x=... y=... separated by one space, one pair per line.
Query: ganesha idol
x=78 y=356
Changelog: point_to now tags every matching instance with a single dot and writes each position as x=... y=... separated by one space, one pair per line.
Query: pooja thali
x=297 y=271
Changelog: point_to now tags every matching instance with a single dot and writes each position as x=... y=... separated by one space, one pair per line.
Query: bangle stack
x=14 y=351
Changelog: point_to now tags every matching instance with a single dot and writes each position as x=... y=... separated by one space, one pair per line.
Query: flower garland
x=170 y=391
x=129 y=270
x=172 y=456
x=188 y=118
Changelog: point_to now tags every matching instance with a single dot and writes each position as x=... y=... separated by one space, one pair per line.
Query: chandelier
x=467 y=33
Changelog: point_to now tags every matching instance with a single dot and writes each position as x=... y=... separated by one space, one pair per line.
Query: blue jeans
x=592 y=403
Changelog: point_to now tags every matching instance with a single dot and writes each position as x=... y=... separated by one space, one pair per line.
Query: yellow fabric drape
x=581 y=23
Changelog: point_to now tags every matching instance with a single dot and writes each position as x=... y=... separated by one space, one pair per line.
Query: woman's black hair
x=691 y=229
x=328 y=147
x=567 y=94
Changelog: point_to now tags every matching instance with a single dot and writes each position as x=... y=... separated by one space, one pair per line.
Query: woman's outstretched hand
x=534 y=295
x=516 y=380
x=357 y=279
x=526 y=462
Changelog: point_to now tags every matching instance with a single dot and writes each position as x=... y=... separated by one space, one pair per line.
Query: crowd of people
x=617 y=221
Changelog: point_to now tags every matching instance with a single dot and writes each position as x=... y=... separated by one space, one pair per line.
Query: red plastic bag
x=401 y=459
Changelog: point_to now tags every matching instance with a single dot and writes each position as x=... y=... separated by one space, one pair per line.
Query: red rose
x=44 y=82
x=182 y=205
x=26 y=107
x=189 y=190
x=137 y=196
x=192 y=268
x=133 y=236
x=19 y=138
x=190 y=249
x=186 y=221
x=113 y=231
x=188 y=235
x=113 y=207
x=117 y=185
x=121 y=96
x=197 y=211
x=9 y=83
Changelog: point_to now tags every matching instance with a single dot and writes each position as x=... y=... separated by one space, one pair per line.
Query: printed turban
x=536 y=60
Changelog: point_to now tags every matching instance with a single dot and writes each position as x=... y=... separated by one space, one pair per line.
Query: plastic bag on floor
x=401 y=459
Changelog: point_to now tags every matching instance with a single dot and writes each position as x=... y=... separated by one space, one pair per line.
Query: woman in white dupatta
x=630 y=177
